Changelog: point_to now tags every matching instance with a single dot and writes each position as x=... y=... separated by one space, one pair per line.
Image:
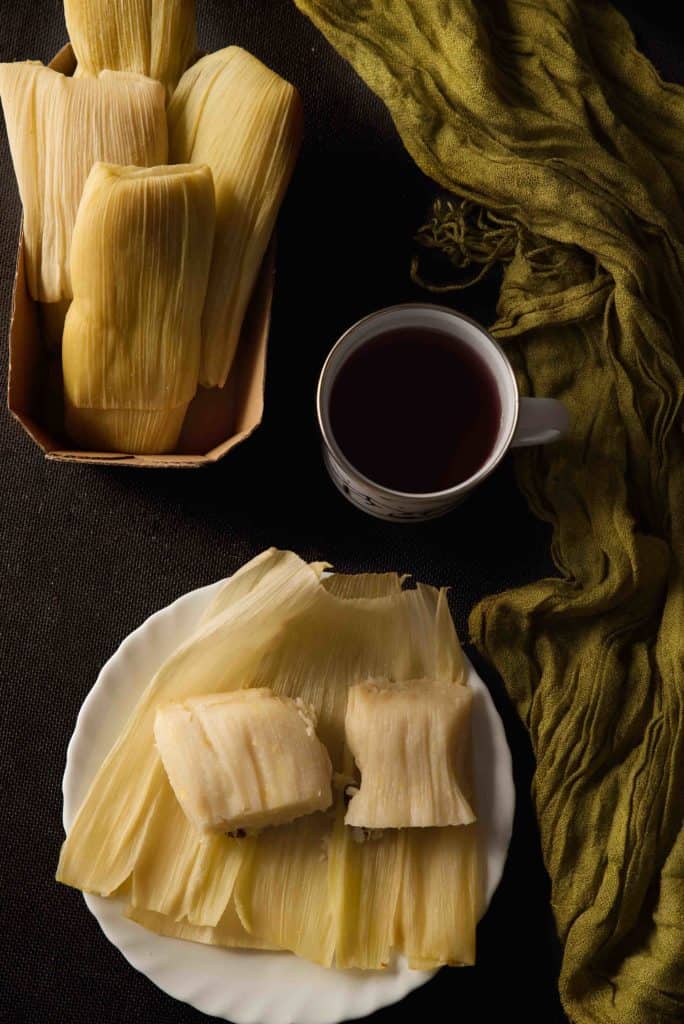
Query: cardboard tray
x=218 y=419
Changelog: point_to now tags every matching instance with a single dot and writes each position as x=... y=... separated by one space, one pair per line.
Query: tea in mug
x=415 y=410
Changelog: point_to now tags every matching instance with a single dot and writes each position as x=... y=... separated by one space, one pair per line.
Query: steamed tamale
x=411 y=744
x=58 y=127
x=246 y=616
x=156 y=38
x=234 y=114
x=308 y=886
x=243 y=760
x=139 y=261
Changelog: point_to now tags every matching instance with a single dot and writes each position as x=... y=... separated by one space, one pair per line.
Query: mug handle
x=540 y=421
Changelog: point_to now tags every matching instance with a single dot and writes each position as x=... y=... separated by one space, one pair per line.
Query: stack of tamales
x=144 y=279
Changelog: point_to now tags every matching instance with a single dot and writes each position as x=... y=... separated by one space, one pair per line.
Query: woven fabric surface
x=87 y=554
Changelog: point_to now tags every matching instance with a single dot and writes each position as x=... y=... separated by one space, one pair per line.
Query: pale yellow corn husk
x=444 y=861
x=365 y=881
x=308 y=886
x=179 y=877
x=281 y=893
x=365 y=585
x=228 y=932
x=243 y=760
x=139 y=263
x=419 y=730
x=58 y=127
x=156 y=38
x=234 y=114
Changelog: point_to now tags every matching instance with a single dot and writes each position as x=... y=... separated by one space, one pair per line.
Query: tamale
x=234 y=114
x=307 y=886
x=244 y=760
x=123 y=808
x=411 y=743
x=156 y=38
x=58 y=127
x=140 y=260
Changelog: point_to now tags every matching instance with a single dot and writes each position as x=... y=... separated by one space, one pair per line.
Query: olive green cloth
x=546 y=115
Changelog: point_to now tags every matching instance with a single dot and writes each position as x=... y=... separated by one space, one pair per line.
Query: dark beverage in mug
x=416 y=410
x=417 y=404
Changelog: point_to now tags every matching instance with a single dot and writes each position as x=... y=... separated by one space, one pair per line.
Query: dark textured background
x=87 y=553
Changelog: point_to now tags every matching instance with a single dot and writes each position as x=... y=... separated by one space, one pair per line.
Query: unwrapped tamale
x=411 y=744
x=140 y=261
x=243 y=760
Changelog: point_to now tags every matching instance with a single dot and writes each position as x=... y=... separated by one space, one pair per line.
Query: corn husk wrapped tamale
x=156 y=38
x=309 y=886
x=234 y=114
x=140 y=261
x=58 y=127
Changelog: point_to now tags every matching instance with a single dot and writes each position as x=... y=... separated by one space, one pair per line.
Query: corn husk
x=444 y=861
x=131 y=349
x=309 y=886
x=58 y=127
x=234 y=114
x=228 y=932
x=281 y=892
x=366 y=880
x=156 y=38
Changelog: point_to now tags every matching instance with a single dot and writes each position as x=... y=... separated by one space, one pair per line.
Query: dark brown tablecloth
x=86 y=554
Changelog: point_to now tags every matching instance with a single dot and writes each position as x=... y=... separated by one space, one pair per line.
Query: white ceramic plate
x=245 y=986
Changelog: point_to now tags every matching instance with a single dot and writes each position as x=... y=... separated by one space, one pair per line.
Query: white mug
x=524 y=421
